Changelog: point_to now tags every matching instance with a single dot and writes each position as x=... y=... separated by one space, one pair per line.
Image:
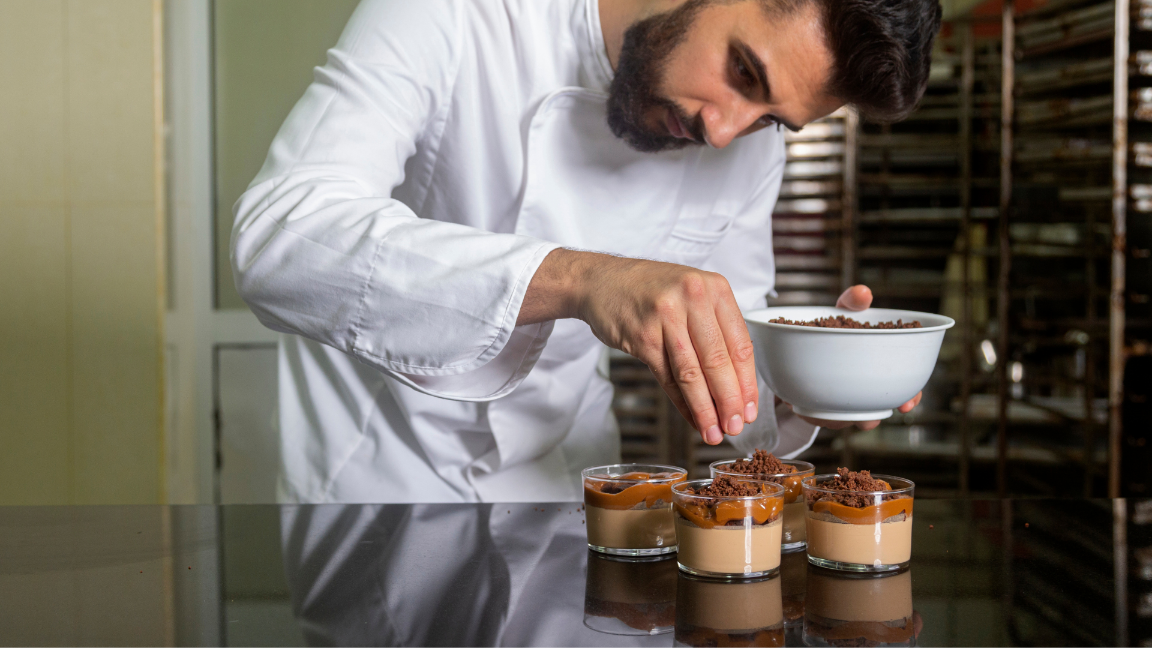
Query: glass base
x=793 y=546
x=614 y=626
x=724 y=576
x=858 y=568
x=633 y=553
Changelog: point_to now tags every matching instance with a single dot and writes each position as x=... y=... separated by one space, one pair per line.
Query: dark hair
x=882 y=51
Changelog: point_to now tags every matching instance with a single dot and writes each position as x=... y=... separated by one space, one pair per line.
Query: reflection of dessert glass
x=727 y=527
x=859 y=609
x=631 y=596
x=793 y=585
x=787 y=473
x=629 y=508
x=717 y=613
x=857 y=522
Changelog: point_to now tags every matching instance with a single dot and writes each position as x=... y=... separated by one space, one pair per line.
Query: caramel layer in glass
x=647 y=492
x=725 y=511
x=869 y=514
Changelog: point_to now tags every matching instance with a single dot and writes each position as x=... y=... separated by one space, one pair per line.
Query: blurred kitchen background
x=133 y=372
x=1017 y=200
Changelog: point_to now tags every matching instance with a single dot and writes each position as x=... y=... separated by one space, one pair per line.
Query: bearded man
x=473 y=197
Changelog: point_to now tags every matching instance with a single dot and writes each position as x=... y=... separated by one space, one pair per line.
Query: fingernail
x=750 y=412
x=735 y=425
x=713 y=435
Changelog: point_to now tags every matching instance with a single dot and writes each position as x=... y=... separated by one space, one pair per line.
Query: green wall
x=265 y=51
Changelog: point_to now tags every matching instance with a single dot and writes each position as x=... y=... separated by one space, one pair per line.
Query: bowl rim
x=759 y=312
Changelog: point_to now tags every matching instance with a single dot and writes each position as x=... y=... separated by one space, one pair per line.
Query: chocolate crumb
x=1025 y=525
x=931 y=526
x=725 y=486
x=845 y=483
x=761 y=463
x=842 y=322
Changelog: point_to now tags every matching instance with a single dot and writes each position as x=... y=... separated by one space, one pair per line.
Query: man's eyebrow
x=762 y=76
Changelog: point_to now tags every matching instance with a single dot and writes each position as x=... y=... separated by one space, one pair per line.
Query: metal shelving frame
x=1049 y=31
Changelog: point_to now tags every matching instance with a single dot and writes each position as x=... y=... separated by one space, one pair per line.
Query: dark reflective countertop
x=1026 y=572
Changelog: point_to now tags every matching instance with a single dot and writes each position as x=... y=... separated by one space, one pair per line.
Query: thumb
x=856 y=298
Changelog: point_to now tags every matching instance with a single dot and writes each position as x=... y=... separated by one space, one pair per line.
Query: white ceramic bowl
x=845 y=374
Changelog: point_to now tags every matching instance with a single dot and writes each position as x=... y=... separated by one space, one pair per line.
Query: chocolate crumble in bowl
x=842 y=322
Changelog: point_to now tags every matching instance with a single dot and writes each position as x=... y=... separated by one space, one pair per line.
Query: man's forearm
x=554 y=292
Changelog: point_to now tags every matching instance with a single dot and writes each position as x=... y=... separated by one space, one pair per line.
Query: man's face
x=707 y=73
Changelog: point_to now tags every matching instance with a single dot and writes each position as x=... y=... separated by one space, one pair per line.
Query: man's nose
x=722 y=124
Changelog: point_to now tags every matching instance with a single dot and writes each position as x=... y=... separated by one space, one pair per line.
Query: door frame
x=194 y=327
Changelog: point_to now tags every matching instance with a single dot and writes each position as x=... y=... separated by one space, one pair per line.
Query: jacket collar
x=595 y=69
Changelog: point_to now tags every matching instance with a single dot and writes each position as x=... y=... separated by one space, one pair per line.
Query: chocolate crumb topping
x=848 y=485
x=761 y=463
x=725 y=486
x=842 y=322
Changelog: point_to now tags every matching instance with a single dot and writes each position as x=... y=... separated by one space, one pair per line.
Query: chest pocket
x=585 y=188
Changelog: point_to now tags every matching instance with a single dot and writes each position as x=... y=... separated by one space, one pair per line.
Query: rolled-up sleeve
x=744 y=256
x=321 y=249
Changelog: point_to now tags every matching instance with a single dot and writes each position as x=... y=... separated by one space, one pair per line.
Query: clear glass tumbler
x=873 y=535
x=728 y=536
x=628 y=508
x=793 y=536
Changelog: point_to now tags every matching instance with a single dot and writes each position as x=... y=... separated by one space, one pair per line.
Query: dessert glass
x=629 y=508
x=793 y=536
x=859 y=609
x=630 y=596
x=728 y=536
x=876 y=537
x=719 y=613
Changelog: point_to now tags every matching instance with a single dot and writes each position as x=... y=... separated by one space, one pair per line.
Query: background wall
x=81 y=260
x=265 y=51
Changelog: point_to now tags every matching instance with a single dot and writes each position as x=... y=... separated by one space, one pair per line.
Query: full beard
x=633 y=95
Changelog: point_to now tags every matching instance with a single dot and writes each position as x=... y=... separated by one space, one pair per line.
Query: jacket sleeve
x=321 y=249
x=744 y=256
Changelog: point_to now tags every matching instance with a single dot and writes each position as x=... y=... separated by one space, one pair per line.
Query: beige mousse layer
x=860 y=599
x=631 y=529
x=729 y=549
x=886 y=543
x=729 y=607
x=795 y=515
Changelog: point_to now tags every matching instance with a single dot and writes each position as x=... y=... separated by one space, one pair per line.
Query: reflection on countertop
x=982 y=573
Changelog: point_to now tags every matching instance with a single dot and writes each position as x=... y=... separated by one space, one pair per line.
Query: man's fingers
x=740 y=351
x=857 y=298
x=688 y=376
x=720 y=377
x=662 y=370
x=910 y=405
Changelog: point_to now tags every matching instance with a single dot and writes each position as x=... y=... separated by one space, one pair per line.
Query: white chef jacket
x=441 y=153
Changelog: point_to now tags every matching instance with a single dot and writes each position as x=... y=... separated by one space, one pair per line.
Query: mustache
x=694 y=125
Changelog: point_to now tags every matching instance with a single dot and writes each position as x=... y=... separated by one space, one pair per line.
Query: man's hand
x=858 y=298
x=682 y=322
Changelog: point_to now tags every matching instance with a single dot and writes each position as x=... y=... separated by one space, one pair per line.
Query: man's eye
x=743 y=72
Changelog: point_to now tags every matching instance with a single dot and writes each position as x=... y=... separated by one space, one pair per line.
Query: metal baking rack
x=809 y=214
x=927 y=191
x=1077 y=162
